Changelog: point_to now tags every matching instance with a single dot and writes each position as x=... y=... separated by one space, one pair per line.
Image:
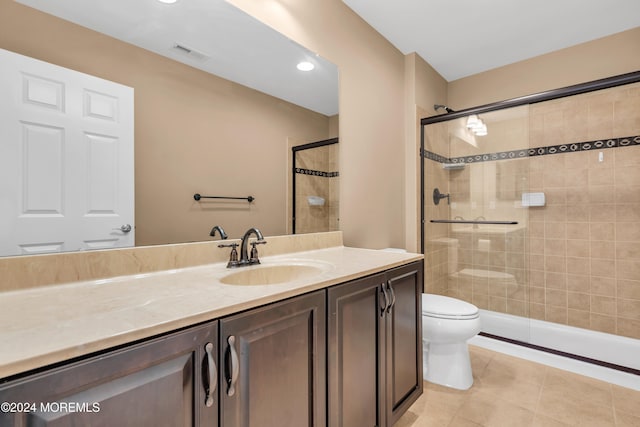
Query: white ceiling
x=224 y=41
x=464 y=37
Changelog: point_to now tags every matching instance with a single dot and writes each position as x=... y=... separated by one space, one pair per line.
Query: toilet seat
x=441 y=307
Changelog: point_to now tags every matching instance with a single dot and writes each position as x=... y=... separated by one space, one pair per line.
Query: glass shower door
x=475 y=237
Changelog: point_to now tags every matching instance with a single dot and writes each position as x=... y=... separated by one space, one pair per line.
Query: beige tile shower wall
x=437 y=241
x=334 y=188
x=585 y=243
x=490 y=189
x=491 y=270
x=490 y=263
x=577 y=263
x=311 y=219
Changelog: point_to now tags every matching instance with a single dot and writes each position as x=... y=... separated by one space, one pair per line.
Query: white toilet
x=447 y=324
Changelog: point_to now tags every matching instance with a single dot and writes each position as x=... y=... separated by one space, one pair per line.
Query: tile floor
x=512 y=392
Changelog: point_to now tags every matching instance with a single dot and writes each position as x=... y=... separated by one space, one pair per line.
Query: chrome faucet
x=220 y=231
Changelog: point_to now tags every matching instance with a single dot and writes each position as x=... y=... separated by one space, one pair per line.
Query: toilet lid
x=447 y=307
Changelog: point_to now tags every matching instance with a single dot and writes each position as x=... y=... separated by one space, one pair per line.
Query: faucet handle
x=229 y=245
x=233 y=257
x=253 y=259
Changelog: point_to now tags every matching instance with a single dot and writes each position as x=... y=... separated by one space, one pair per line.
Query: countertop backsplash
x=24 y=272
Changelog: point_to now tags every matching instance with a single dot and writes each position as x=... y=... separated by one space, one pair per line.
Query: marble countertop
x=45 y=325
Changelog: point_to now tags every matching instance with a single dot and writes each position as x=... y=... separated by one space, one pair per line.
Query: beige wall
x=605 y=57
x=194 y=133
x=424 y=87
x=372 y=103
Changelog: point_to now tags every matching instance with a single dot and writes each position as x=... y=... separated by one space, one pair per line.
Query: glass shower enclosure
x=530 y=208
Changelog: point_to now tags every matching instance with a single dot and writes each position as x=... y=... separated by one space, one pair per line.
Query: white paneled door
x=66 y=159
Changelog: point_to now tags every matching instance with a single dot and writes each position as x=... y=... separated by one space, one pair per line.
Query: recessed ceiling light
x=305 y=66
x=168 y=1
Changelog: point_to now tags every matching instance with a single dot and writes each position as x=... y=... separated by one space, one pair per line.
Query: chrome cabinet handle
x=235 y=366
x=393 y=297
x=212 y=375
x=383 y=307
x=126 y=228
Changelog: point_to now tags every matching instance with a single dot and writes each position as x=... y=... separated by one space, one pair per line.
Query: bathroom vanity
x=337 y=342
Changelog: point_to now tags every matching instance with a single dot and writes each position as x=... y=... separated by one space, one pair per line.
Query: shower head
x=447 y=109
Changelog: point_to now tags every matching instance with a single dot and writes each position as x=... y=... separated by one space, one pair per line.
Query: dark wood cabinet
x=374 y=348
x=161 y=382
x=274 y=371
x=275 y=365
x=355 y=349
x=404 y=340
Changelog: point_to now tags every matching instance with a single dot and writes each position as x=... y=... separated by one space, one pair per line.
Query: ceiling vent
x=190 y=52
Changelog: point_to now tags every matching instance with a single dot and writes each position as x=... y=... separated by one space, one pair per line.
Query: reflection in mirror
x=195 y=132
x=315 y=187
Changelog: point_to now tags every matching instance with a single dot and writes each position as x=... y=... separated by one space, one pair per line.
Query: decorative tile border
x=433 y=156
x=539 y=151
x=317 y=173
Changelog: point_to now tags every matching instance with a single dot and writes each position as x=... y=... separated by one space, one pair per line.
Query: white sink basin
x=273 y=274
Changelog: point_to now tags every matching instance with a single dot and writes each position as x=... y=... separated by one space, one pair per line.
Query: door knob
x=125 y=228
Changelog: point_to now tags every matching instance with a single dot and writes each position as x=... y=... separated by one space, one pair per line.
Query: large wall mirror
x=218 y=104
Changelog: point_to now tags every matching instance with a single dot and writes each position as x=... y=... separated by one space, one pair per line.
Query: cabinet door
x=356 y=342
x=156 y=383
x=404 y=340
x=273 y=359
